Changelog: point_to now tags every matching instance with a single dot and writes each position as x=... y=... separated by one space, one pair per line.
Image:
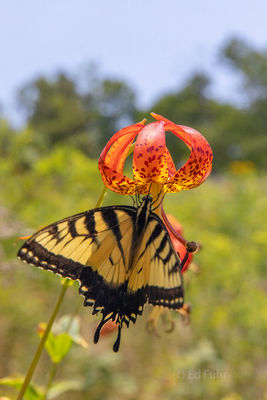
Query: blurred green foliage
x=219 y=355
x=46 y=173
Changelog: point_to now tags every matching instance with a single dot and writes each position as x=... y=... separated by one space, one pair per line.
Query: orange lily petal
x=150 y=163
x=108 y=328
x=199 y=164
x=112 y=158
x=171 y=166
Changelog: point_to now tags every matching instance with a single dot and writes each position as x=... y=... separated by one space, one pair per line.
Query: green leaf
x=57 y=346
x=33 y=392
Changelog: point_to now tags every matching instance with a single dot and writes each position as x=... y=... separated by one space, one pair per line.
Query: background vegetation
x=48 y=170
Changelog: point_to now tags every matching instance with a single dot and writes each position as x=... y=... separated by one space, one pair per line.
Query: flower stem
x=40 y=348
x=101 y=197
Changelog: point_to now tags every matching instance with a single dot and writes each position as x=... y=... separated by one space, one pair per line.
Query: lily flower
x=154 y=173
x=153 y=168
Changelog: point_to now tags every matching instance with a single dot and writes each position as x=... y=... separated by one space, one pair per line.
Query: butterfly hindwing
x=165 y=287
x=157 y=267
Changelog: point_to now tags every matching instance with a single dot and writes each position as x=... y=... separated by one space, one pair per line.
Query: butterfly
x=122 y=256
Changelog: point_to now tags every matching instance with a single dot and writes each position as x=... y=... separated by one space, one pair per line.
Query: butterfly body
x=121 y=255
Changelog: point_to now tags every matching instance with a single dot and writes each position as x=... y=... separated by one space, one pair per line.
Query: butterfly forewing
x=85 y=239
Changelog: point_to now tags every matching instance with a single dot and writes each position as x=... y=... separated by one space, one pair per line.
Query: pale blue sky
x=154 y=45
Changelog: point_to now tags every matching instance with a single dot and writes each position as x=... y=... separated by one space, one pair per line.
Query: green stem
x=40 y=348
x=101 y=197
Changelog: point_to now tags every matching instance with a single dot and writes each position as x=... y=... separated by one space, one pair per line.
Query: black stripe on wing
x=72 y=228
x=165 y=254
x=33 y=253
x=172 y=298
x=111 y=219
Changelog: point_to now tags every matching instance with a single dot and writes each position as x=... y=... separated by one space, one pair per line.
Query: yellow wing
x=98 y=248
x=98 y=239
x=157 y=267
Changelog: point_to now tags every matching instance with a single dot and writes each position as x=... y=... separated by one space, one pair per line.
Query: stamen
x=185 y=313
x=191 y=247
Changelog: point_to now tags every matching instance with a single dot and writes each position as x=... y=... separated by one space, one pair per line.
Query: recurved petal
x=117 y=182
x=151 y=158
x=171 y=167
x=117 y=148
x=112 y=159
x=199 y=164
